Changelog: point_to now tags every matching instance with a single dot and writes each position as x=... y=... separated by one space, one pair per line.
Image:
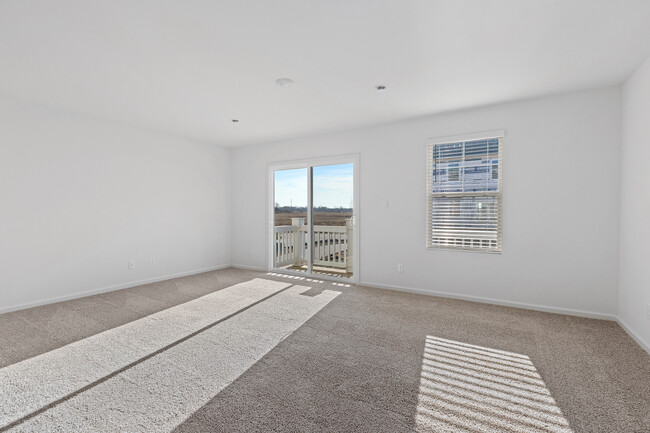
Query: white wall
x=561 y=188
x=634 y=287
x=81 y=197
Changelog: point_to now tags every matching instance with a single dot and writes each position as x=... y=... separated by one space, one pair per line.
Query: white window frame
x=430 y=195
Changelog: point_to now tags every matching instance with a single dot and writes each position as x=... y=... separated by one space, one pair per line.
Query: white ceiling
x=190 y=66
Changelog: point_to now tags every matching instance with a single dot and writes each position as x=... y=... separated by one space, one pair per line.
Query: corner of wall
x=633 y=131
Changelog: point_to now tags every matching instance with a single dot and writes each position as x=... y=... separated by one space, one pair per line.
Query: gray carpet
x=310 y=356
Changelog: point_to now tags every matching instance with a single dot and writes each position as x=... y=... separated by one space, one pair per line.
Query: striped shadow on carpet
x=478 y=389
x=151 y=374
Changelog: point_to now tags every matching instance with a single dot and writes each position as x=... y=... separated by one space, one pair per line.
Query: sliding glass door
x=313 y=226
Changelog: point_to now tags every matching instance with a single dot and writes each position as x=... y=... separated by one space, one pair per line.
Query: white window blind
x=464 y=194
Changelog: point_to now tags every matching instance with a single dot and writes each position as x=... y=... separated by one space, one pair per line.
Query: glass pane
x=481 y=167
x=333 y=189
x=447 y=164
x=471 y=166
x=290 y=231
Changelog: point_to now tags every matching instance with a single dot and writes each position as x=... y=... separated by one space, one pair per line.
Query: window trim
x=429 y=196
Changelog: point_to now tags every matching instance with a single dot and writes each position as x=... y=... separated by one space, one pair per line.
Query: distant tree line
x=289 y=209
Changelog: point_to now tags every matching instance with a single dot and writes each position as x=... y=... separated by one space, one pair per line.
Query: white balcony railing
x=331 y=246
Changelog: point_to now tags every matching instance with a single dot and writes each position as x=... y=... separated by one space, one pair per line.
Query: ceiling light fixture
x=284 y=82
x=380 y=87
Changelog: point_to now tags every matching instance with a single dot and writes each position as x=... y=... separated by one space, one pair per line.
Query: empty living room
x=325 y=216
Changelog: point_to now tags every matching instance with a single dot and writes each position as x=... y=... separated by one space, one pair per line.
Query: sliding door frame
x=309 y=164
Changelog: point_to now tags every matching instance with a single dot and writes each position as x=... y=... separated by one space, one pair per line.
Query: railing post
x=349 y=235
x=299 y=241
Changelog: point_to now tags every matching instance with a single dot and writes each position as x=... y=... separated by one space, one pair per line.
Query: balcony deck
x=320 y=270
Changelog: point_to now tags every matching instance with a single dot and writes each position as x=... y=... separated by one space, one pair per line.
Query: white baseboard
x=636 y=337
x=545 y=308
x=107 y=289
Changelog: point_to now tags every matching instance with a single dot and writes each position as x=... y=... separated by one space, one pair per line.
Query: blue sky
x=333 y=186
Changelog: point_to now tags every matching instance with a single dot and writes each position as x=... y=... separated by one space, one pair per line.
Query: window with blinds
x=464 y=194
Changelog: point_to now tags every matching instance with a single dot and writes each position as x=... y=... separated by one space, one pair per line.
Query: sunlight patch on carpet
x=469 y=388
x=163 y=390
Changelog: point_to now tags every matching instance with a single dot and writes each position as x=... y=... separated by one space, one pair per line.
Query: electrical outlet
x=131 y=264
x=647 y=311
x=152 y=262
x=400 y=268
